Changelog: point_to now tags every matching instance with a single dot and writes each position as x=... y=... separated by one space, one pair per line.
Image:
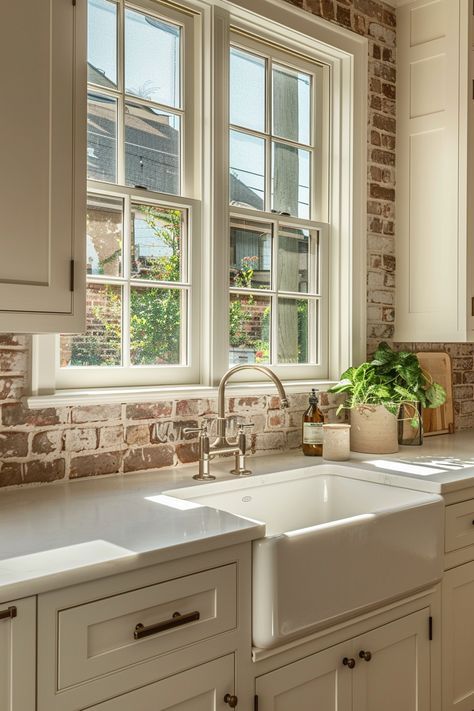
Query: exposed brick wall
x=79 y=441
x=52 y=444
x=377 y=21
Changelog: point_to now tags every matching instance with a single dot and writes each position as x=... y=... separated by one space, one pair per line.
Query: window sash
x=317 y=301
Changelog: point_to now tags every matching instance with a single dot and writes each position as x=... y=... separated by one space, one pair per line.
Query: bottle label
x=312 y=432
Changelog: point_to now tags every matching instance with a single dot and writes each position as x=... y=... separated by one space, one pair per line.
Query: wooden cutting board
x=441 y=419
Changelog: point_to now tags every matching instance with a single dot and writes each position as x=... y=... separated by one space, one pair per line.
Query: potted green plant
x=377 y=389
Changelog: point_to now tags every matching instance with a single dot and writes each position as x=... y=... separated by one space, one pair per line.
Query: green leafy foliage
x=391 y=379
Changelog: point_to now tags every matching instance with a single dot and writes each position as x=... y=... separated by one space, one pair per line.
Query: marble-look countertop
x=65 y=533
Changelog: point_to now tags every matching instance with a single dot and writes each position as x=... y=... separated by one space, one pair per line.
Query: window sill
x=102 y=396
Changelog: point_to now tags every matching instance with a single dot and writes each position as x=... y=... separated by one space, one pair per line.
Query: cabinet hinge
x=472 y=306
x=71 y=275
x=255 y=703
x=430 y=628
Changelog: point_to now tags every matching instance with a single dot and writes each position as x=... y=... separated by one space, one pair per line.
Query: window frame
x=346 y=55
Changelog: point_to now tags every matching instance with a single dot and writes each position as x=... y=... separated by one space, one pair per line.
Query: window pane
x=250 y=254
x=102 y=43
x=152 y=58
x=155 y=325
x=102 y=138
x=100 y=345
x=247 y=90
x=290 y=180
x=249 y=329
x=247 y=170
x=152 y=153
x=157 y=237
x=293 y=317
x=104 y=235
x=291 y=105
x=293 y=259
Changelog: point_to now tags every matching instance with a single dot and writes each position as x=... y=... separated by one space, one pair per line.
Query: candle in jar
x=336 y=442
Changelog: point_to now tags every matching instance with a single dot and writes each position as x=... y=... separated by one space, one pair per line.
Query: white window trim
x=346 y=52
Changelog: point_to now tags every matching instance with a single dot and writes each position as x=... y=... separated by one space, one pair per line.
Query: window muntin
x=272 y=140
x=274 y=158
x=137 y=306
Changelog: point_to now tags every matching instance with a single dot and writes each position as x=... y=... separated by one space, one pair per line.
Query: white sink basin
x=334 y=546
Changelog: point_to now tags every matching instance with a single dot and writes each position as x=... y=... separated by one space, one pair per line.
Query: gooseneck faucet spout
x=221 y=440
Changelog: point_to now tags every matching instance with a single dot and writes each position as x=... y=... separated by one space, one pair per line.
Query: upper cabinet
x=434 y=165
x=42 y=168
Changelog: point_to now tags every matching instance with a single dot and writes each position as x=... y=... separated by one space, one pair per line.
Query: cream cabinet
x=43 y=171
x=435 y=170
x=18 y=655
x=208 y=687
x=387 y=668
x=458 y=638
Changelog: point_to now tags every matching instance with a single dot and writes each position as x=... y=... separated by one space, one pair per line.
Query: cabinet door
x=320 y=682
x=200 y=689
x=43 y=172
x=458 y=638
x=18 y=655
x=397 y=675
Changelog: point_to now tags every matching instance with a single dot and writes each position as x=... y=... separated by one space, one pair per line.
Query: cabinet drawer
x=102 y=636
x=200 y=689
x=459 y=525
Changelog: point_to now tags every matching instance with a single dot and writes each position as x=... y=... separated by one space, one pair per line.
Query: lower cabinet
x=203 y=688
x=458 y=638
x=18 y=655
x=387 y=668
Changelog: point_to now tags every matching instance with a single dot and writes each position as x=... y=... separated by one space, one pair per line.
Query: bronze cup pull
x=349 y=662
x=176 y=621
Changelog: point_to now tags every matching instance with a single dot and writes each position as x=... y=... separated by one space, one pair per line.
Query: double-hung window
x=278 y=108
x=226 y=192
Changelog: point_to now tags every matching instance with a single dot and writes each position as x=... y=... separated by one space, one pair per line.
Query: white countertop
x=61 y=534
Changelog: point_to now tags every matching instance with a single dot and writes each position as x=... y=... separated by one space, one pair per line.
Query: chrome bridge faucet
x=221 y=444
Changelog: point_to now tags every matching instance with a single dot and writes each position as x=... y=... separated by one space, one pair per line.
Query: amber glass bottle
x=313 y=420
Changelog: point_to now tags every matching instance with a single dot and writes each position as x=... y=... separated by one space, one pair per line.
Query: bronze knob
x=365 y=655
x=349 y=662
x=231 y=700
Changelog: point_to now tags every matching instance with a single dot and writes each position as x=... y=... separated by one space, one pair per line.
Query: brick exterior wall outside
x=72 y=442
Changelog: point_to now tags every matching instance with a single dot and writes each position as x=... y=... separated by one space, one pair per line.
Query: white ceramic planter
x=374 y=430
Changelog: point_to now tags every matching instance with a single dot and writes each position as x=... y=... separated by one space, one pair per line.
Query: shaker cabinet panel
x=18 y=655
x=458 y=638
x=43 y=174
x=320 y=681
x=387 y=668
x=432 y=235
x=393 y=670
x=200 y=689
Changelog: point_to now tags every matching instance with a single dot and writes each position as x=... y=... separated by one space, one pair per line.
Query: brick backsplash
x=80 y=441
x=73 y=442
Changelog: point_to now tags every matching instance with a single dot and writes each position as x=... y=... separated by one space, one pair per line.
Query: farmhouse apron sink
x=335 y=545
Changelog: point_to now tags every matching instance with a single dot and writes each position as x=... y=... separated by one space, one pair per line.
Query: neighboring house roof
x=151 y=146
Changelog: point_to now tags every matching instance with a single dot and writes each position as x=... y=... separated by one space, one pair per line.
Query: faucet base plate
x=241 y=472
x=204 y=477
